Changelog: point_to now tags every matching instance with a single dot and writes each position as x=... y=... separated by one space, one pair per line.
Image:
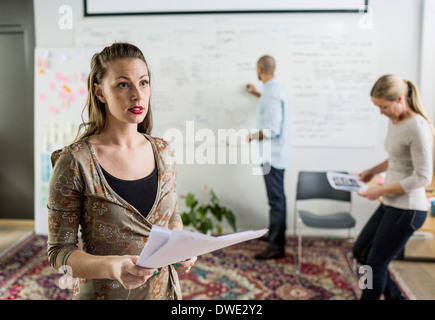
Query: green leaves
x=198 y=216
x=190 y=200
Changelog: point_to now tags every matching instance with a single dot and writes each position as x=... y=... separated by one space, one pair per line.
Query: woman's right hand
x=130 y=275
x=366 y=175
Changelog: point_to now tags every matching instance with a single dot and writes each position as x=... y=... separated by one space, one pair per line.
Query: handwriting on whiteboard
x=200 y=67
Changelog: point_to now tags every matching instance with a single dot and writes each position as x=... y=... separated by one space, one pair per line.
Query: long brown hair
x=389 y=87
x=96 y=109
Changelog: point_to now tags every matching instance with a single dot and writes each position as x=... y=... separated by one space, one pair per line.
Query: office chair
x=312 y=185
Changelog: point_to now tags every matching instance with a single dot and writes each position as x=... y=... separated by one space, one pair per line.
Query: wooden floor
x=12 y=230
x=416 y=278
x=419 y=277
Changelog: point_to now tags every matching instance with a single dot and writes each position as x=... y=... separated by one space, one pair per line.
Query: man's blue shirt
x=273 y=113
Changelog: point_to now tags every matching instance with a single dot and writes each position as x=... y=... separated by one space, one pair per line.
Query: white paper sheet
x=346 y=182
x=165 y=247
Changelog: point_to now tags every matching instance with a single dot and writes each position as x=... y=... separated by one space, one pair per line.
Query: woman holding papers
x=115 y=182
x=409 y=168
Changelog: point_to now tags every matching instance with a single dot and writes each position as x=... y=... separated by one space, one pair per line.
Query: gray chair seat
x=338 y=220
x=314 y=185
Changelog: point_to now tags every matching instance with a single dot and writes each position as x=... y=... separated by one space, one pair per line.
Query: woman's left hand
x=372 y=193
x=185 y=266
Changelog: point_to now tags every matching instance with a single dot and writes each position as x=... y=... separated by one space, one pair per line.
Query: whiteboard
x=200 y=66
x=103 y=7
x=60 y=95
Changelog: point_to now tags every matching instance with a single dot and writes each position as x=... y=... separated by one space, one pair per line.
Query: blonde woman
x=409 y=168
x=114 y=182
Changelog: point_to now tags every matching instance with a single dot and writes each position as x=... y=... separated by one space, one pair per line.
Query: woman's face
x=125 y=91
x=394 y=110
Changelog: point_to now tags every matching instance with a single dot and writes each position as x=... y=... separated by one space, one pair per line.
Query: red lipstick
x=136 y=110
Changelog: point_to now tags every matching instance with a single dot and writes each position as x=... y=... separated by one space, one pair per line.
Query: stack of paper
x=165 y=246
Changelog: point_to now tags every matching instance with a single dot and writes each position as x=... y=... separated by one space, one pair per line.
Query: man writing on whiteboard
x=273 y=117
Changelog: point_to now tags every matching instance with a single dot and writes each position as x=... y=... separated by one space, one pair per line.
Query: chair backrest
x=315 y=185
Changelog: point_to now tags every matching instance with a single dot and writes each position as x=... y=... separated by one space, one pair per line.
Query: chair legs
x=298 y=264
x=299 y=253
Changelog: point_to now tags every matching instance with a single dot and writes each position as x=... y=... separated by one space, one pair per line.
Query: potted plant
x=207 y=217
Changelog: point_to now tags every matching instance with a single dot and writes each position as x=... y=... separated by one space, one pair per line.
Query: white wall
x=398 y=26
x=427 y=57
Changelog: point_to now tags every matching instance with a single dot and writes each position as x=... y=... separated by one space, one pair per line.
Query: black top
x=140 y=193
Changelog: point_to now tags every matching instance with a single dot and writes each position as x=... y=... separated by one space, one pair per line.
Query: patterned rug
x=227 y=274
x=232 y=273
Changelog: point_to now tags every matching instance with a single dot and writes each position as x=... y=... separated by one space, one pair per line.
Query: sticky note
x=66 y=88
x=63 y=57
x=65 y=104
x=43 y=63
x=82 y=91
x=80 y=77
x=53 y=110
x=63 y=94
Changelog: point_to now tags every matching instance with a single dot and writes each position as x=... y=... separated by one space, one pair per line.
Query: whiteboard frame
x=92 y=9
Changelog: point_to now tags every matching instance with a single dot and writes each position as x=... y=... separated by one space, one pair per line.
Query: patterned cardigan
x=79 y=195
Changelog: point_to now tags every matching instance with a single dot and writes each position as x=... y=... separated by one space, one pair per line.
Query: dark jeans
x=274 y=179
x=382 y=238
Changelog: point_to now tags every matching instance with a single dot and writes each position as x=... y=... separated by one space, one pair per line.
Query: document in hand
x=346 y=182
x=165 y=246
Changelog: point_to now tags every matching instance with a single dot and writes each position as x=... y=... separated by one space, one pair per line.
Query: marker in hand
x=251 y=89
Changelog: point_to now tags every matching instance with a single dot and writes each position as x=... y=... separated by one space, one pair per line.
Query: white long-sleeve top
x=410 y=148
